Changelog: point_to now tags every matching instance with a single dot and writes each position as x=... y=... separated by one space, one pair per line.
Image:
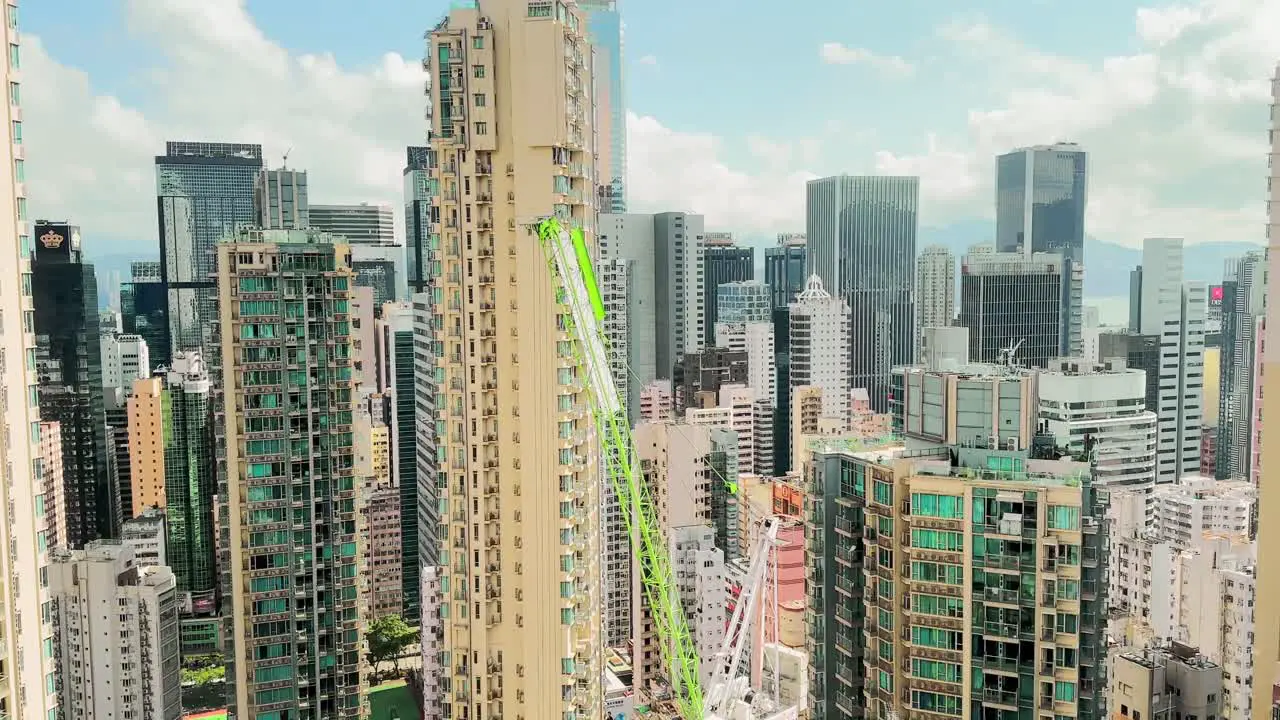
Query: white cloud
x=91 y=155
x=649 y=60
x=671 y=170
x=834 y=53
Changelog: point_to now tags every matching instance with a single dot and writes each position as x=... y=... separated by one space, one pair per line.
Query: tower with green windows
x=283 y=420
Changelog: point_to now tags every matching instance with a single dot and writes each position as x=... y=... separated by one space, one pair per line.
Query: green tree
x=388 y=637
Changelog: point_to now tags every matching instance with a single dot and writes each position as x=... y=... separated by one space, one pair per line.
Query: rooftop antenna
x=284 y=163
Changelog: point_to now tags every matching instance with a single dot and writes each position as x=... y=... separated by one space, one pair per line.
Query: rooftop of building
x=1156 y=657
x=960 y=462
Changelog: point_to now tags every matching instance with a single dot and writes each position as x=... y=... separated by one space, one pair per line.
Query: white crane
x=730 y=697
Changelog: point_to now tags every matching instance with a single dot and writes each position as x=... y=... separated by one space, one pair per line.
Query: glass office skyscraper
x=604 y=30
x=69 y=364
x=1041 y=193
x=204 y=190
x=862 y=243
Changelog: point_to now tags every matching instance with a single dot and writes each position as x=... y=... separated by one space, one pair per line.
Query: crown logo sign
x=51 y=240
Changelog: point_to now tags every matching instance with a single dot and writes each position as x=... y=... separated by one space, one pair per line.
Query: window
x=1064 y=691
x=883 y=493
x=478 y=100
x=15 y=95
x=14 y=56
x=477 y=43
x=482 y=128
x=937 y=540
x=477 y=71
x=939 y=506
x=19 y=170
x=1064 y=518
x=17 y=132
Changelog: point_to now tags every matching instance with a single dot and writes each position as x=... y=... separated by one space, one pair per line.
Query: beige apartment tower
x=145 y=410
x=26 y=692
x=511 y=136
x=1266 y=648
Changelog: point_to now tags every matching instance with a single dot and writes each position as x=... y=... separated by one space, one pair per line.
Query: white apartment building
x=935 y=288
x=699 y=569
x=1174 y=310
x=1197 y=506
x=125 y=358
x=432 y=643
x=820 y=347
x=756 y=340
x=117 y=635
x=739 y=409
x=1081 y=401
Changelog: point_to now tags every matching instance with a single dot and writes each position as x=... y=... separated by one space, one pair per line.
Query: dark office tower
x=1138 y=351
x=698 y=378
x=1243 y=293
x=394 y=351
x=1011 y=301
x=723 y=262
x=784 y=269
x=862 y=243
x=204 y=191
x=419 y=188
x=69 y=354
x=1041 y=193
x=144 y=309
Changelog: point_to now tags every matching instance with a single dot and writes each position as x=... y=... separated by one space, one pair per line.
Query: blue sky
x=735 y=103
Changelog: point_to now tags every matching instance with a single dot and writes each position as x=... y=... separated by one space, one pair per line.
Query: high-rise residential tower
x=283 y=415
x=604 y=31
x=862 y=243
x=204 y=190
x=1244 y=288
x=1174 y=310
x=512 y=122
x=1266 y=651
x=69 y=359
x=935 y=287
x=820 y=346
x=117 y=635
x=1041 y=194
x=723 y=262
x=25 y=535
x=784 y=272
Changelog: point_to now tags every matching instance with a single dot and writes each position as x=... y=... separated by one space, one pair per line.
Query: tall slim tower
x=820 y=347
x=69 y=357
x=1174 y=310
x=1244 y=289
x=24 y=694
x=420 y=216
x=862 y=243
x=280 y=199
x=723 y=262
x=283 y=414
x=1266 y=650
x=204 y=190
x=935 y=287
x=604 y=32
x=190 y=484
x=511 y=89
x=1041 y=193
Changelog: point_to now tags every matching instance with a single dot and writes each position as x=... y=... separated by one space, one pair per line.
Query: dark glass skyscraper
x=189 y=480
x=419 y=214
x=144 y=310
x=784 y=273
x=723 y=262
x=69 y=364
x=204 y=191
x=784 y=269
x=862 y=242
x=1041 y=193
x=1009 y=300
